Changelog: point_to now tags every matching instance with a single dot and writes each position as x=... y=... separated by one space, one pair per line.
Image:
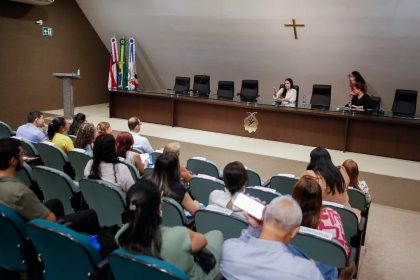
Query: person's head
x=134 y=124
x=359 y=88
x=172 y=147
x=11 y=153
x=166 y=172
x=125 y=142
x=78 y=119
x=288 y=84
x=103 y=151
x=322 y=165
x=353 y=171
x=283 y=216
x=357 y=77
x=85 y=135
x=58 y=125
x=308 y=195
x=36 y=118
x=235 y=177
x=104 y=128
x=143 y=236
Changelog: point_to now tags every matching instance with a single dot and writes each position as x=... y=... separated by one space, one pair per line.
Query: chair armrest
x=362 y=224
x=352 y=257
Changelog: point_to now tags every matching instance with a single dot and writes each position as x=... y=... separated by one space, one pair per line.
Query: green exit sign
x=47 y=31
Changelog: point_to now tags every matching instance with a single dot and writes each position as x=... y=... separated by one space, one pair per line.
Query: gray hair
x=284 y=211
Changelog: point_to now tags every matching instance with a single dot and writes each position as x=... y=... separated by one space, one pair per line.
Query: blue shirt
x=248 y=257
x=31 y=133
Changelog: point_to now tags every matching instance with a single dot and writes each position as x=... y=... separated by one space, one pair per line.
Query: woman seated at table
x=354 y=78
x=360 y=99
x=287 y=94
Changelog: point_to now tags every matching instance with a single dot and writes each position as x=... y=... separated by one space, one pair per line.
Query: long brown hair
x=308 y=195
x=124 y=143
x=353 y=171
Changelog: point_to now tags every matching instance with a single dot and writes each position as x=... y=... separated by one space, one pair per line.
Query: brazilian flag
x=123 y=67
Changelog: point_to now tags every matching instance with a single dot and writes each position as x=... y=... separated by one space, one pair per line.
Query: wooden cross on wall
x=294 y=25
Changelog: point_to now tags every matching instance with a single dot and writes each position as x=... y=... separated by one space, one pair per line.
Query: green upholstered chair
x=283 y=183
x=5 y=130
x=78 y=160
x=202 y=185
x=254 y=178
x=263 y=193
x=201 y=165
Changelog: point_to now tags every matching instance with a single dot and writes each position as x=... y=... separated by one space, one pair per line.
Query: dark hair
x=143 y=234
x=358 y=77
x=124 y=143
x=78 y=119
x=53 y=127
x=166 y=173
x=322 y=165
x=360 y=86
x=133 y=122
x=85 y=135
x=308 y=195
x=235 y=176
x=9 y=148
x=353 y=171
x=284 y=86
x=32 y=116
x=103 y=150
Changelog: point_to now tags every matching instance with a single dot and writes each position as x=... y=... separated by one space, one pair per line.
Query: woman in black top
x=360 y=100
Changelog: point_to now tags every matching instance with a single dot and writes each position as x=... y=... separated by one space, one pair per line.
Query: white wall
x=246 y=39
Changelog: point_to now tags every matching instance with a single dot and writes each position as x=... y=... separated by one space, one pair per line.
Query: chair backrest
x=201 y=86
x=5 y=130
x=202 y=185
x=154 y=155
x=28 y=147
x=264 y=194
x=321 y=97
x=254 y=178
x=52 y=156
x=172 y=213
x=375 y=103
x=55 y=184
x=65 y=253
x=133 y=170
x=320 y=246
x=148 y=171
x=226 y=90
x=12 y=241
x=405 y=103
x=25 y=176
x=182 y=85
x=106 y=198
x=296 y=87
x=357 y=199
x=283 y=184
x=200 y=165
x=127 y=266
x=72 y=137
x=78 y=160
x=249 y=90
x=349 y=219
x=230 y=225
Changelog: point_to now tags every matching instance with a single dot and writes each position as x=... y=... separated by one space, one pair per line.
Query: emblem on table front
x=251 y=122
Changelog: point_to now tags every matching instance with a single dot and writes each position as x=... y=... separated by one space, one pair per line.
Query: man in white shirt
x=140 y=142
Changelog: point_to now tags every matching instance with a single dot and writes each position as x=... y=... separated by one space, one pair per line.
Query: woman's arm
x=277 y=95
x=137 y=162
x=290 y=96
x=198 y=241
x=189 y=204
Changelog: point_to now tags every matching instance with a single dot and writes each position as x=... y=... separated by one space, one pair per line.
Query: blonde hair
x=173 y=147
x=102 y=127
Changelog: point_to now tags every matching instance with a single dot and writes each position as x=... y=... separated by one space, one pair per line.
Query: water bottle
x=304 y=100
x=349 y=105
x=78 y=72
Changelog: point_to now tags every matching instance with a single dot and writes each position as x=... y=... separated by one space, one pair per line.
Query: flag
x=112 y=83
x=132 y=73
x=122 y=75
x=113 y=69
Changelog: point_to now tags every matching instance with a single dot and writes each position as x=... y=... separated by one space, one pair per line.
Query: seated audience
x=124 y=145
x=78 y=119
x=105 y=164
x=308 y=195
x=144 y=234
x=15 y=195
x=167 y=177
x=353 y=171
x=84 y=138
x=175 y=147
x=56 y=133
x=140 y=142
x=287 y=94
x=263 y=250
x=35 y=130
x=332 y=179
x=103 y=128
x=235 y=178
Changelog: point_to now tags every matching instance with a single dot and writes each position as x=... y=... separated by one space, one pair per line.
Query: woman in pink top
x=308 y=194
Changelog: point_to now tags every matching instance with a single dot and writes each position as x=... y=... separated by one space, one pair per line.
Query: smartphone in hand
x=249 y=205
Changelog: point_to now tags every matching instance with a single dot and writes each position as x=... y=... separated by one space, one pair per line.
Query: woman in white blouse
x=287 y=94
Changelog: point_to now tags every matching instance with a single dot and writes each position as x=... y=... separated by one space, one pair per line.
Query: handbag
x=205 y=259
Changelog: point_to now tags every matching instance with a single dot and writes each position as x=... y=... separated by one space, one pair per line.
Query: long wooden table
x=375 y=135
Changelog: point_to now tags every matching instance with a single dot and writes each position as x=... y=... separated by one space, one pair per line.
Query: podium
x=68 y=104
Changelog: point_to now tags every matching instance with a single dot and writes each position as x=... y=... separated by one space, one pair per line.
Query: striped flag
x=122 y=75
x=113 y=70
x=132 y=73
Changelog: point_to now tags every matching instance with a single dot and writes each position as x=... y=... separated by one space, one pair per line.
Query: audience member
x=332 y=179
x=56 y=133
x=175 y=147
x=235 y=178
x=103 y=128
x=15 y=195
x=167 y=177
x=144 y=234
x=35 y=130
x=124 y=145
x=287 y=94
x=140 y=142
x=78 y=119
x=308 y=195
x=263 y=250
x=84 y=138
x=353 y=171
x=105 y=164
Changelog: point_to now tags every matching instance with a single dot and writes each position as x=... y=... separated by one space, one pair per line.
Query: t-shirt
x=330 y=221
x=15 y=195
x=179 y=191
x=63 y=141
x=365 y=101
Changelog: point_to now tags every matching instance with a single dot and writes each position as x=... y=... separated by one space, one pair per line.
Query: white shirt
x=141 y=143
x=290 y=99
x=222 y=198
